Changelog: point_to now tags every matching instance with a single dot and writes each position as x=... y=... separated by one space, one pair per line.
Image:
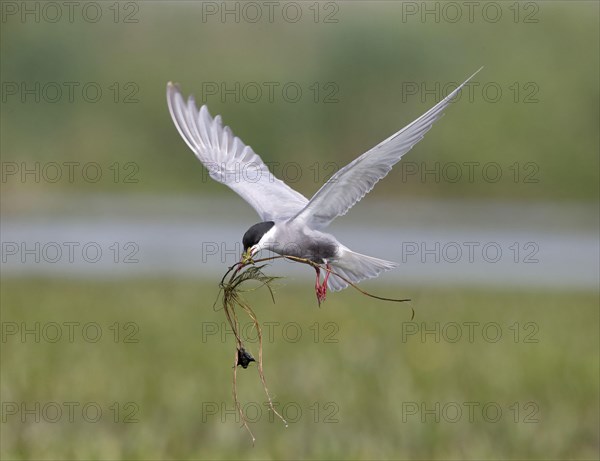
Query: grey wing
x=230 y=162
x=351 y=183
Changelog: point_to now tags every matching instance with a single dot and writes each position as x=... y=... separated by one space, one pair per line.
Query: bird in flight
x=290 y=223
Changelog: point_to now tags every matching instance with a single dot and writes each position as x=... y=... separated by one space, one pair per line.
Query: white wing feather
x=351 y=183
x=230 y=162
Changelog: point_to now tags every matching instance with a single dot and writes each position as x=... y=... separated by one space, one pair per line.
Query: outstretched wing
x=351 y=183
x=229 y=161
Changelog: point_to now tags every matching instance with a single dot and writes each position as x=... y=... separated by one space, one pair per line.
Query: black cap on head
x=255 y=233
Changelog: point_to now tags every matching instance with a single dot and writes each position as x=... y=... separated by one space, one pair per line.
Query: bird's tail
x=356 y=267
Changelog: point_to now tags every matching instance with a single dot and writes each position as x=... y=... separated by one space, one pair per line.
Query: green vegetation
x=352 y=366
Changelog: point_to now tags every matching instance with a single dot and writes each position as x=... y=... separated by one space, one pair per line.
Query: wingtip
x=451 y=95
x=172 y=86
x=475 y=73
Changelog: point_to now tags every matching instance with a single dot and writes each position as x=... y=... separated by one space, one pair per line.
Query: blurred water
x=443 y=242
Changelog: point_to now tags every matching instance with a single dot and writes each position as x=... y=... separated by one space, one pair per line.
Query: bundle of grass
x=230 y=294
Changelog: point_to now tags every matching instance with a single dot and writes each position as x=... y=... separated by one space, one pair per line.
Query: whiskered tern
x=290 y=223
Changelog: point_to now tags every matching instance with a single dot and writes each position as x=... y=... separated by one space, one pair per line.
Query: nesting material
x=230 y=295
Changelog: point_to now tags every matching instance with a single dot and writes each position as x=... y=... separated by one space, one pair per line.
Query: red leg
x=317 y=284
x=326 y=277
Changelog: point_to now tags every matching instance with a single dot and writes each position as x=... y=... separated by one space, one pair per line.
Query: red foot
x=321 y=293
x=321 y=290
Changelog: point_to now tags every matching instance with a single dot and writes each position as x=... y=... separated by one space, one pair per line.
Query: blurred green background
x=370 y=54
x=544 y=57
